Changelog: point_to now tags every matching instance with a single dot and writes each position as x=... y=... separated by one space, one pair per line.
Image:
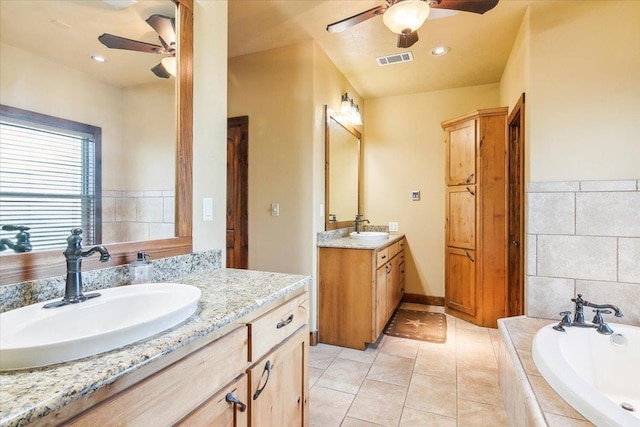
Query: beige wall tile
x=111 y=232
x=579 y=257
x=150 y=209
x=629 y=260
x=531 y=258
x=125 y=209
x=551 y=213
x=608 y=214
x=327 y=407
x=624 y=295
x=108 y=209
x=559 y=421
x=134 y=231
x=550 y=401
x=537 y=187
x=629 y=185
x=169 y=209
x=548 y=296
x=161 y=230
x=433 y=394
x=378 y=402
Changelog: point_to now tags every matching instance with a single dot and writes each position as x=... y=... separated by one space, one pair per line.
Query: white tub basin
x=33 y=336
x=369 y=236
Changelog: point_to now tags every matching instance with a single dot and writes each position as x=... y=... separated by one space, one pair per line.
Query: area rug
x=417 y=325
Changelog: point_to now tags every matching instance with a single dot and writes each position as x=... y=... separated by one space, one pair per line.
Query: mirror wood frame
x=327 y=168
x=36 y=265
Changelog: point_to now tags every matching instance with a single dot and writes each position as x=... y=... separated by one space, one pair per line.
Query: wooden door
x=461 y=216
x=515 y=265
x=278 y=384
x=237 y=192
x=220 y=410
x=460 y=294
x=460 y=141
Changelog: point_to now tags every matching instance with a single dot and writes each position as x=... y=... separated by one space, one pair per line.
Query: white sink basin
x=33 y=336
x=369 y=236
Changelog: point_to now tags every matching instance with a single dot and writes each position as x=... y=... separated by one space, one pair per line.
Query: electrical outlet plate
x=393 y=226
x=415 y=195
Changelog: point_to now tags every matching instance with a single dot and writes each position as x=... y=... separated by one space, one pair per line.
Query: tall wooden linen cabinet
x=476 y=222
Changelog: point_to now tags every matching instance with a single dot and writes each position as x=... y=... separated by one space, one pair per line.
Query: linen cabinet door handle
x=469 y=256
x=283 y=323
x=230 y=398
x=471 y=191
x=267 y=369
x=471 y=177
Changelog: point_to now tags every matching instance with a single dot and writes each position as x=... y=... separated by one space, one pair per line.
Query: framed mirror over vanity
x=343 y=172
x=150 y=139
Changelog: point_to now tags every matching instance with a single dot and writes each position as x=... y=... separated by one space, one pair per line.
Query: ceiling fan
x=404 y=17
x=165 y=27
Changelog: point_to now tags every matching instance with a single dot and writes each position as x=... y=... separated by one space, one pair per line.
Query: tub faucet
x=22 y=243
x=74 y=254
x=578 y=316
x=358 y=222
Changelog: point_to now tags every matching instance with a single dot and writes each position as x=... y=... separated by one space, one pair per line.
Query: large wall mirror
x=145 y=118
x=343 y=171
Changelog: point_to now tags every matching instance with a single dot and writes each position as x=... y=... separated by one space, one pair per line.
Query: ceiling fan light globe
x=406 y=14
x=169 y=64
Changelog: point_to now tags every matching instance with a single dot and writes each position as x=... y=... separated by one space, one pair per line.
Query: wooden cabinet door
x=278 y=385
x=460 y=141
x=392 y=281
x=228 y=408
x=398 y=288
x=461 y=216
x=381 y=309
x=460 y=292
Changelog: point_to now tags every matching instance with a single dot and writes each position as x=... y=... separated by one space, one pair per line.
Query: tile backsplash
x=583 y=237
x=164 y=269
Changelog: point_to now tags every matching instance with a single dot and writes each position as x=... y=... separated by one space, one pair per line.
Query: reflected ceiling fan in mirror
x=404 y=17
x=166 y=29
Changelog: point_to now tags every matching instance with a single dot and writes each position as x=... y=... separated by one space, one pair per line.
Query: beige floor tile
x=321 y=355
x=314 y=374
x=327 y=407
x=366 y=356
x=399 y=347
x=344 y=375
x=479 y=386
x=391 y=369
x=436 y=361
x=432 y=394
x=414 y=418
x=560 y=421
x=354 y=422
x=378 y=402
x=475 y=414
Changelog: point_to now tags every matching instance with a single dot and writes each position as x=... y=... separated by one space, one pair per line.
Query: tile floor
x=409 y=383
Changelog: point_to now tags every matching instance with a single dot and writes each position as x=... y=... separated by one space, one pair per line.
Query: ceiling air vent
x=395 y=59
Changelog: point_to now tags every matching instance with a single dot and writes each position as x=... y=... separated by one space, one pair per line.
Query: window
x=50 y=177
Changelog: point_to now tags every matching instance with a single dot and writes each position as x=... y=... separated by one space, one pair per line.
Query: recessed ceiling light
x=440 y=50
x=98 y=58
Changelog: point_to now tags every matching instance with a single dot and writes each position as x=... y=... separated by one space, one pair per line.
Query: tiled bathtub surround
x=164 y=269
x=583 y=237
x=137 y=215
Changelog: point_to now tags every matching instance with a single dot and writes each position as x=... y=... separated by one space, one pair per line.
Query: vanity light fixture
x=350 y=110
x=440 y=50
x=98 y=58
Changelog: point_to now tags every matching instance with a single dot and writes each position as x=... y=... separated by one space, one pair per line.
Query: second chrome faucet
x=578 y=317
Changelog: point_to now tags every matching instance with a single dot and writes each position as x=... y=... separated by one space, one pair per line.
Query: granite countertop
x=349 y=243
x=227 y=297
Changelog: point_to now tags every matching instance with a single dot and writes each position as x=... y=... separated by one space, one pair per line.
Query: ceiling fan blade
x=407 y=40
x=160 y=71
x=475 y=6
x=336 y=27
x=165 y=27
x=117 y=42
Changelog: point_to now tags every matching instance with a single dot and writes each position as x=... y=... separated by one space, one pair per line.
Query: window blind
x=48 y=181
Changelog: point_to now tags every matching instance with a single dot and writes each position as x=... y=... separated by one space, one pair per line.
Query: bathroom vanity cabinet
x=358 y=291
x=476 y=223
x=200 y=389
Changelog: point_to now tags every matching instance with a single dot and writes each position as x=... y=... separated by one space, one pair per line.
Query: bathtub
x=596 y=374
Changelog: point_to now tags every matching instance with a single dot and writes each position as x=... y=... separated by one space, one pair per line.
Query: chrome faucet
x=358 y=222
x=74 y=254
x=22 y=243
x=578 y=317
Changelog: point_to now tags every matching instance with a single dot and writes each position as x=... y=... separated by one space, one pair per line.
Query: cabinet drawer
x=393 y=250
x=219 y=411
x=167 y=396
x=400 y=270
x=273 y=327
x=401 y=245
x=382 y=256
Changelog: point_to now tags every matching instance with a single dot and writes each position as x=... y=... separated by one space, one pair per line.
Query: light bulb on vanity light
x=406 y=15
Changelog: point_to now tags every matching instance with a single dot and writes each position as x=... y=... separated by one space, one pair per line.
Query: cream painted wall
x=404 y=151
x=585 y=90
x=210 y=123
x=275 y=89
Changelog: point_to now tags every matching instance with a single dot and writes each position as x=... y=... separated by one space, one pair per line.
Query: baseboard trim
x=423 y=299
x=313 y=338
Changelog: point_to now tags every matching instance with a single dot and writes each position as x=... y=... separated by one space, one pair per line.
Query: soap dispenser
x=141 y=270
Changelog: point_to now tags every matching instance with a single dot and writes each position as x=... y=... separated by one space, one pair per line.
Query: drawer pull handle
x=470 y=177
x=471 y=191
x=469 y=256
x=383 y=257
x=230 y=398
x=283 y=323
x=267 y=369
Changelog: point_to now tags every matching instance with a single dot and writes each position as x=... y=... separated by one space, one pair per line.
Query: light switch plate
x=275 y=209
x=207 y=209
x=415 y=195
